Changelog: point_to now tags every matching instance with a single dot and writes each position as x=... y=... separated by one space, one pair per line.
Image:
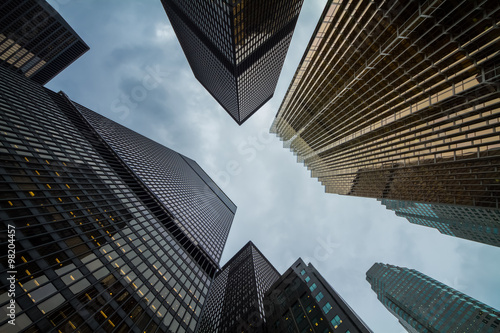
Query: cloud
x=284 y=211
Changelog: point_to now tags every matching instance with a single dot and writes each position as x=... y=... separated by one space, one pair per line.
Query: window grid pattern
x=236 y=49
x=36 y=41
x=91 y=254
x=472 y=223
x=201 y=210
x=293 y=307
x=395 y=93
x=427 y=305
x=236 y=302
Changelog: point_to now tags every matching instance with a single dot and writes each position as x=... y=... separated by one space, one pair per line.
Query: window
x=313 y=286
x=319 y=296
x=327 y=308
x=308 y=279
x=336 y=321
x=303 y=272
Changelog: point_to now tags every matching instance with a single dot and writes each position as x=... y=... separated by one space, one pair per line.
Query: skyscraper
x=423 y=304
x=236 y=299
x=303 y=301
x=472 y=223
x=112 y=231
x=400 y=100
x=35 y=40
x=236 y=49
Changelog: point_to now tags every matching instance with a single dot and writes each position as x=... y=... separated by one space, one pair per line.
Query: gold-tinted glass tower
x=400 y=100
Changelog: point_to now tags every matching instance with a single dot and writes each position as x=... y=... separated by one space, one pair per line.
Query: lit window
x=308 y=279
x=303 y=272
x=327 y=308
x=313 y=286
x=336 y=321
x=319 y=296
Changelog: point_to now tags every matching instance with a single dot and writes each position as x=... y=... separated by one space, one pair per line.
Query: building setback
x=422 y=304
x=472 y=223
x=236 y=49
x=400 y=100
x=100 y=244
x=236 y=299
x=35 y=40
x=303 y=301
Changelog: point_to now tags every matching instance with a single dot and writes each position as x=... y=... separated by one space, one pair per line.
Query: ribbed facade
x=303 y=301
x=98 y=246
x=400 y=100
x=236 y=49
x=236 y=299
x=35 y=40
x=472 y=223
x=423 y=304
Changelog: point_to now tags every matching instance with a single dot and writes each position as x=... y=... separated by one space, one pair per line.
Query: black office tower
x=112 y=231
x=303 y=301
x=35 y=40
x=235 y=303
x=236 y=49
x=422 y=304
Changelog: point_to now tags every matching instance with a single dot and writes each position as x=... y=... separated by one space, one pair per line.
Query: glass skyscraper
x=303 y=301
x=399 y=100
x=236 y=300
x=113 y=232
x=422 y=304
x=472 y=223
x=35 y=40
x=236 y=49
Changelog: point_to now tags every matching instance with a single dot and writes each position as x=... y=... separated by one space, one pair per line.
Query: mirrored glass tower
x=236 y=49
x=422 y=304
x=472 y=223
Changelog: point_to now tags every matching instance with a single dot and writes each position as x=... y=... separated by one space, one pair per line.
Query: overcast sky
x=284 y=211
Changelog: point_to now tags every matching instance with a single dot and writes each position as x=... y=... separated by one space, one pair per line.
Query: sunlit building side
x=400 y=100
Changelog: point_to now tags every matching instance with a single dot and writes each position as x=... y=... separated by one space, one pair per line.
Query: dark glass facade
x=200 y=209
x=422 y=304
x=235 y=49
x=303 y=301
x=236 y=300
x=98 y=248
x=472 y=223
x=400 y=100
x=35 y=40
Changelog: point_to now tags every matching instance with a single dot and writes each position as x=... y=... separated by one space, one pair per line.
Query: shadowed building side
x=235 y=50
x=236 y=299
x=303 y=301
x=36 y=41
